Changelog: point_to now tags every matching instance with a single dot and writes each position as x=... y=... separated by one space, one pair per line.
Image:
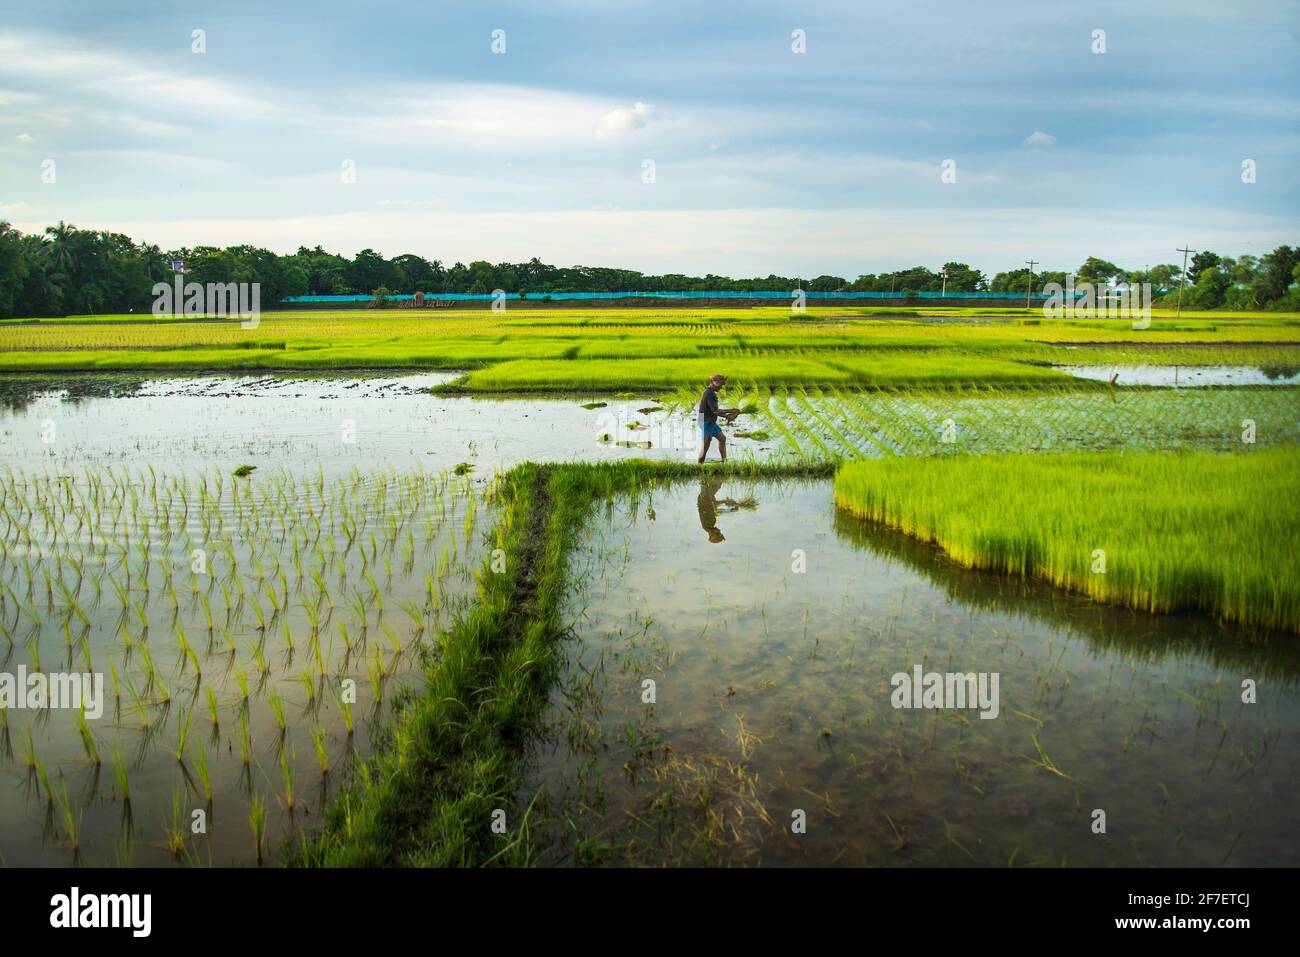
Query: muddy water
x=332 y=422
x=772 y=705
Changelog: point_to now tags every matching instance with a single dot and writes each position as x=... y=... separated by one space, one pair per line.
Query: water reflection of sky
x=1187 y=377
x=334 y=423
x=705 y=599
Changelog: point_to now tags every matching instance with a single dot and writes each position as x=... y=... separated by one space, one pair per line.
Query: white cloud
x=1039 y=138
x=24 y=137
x=625 y=120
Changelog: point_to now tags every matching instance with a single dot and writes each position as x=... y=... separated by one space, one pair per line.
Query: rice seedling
x=87 y=739
x=257 y=823
x=174 y=830
x=122 y=774
x=201 y=769
x=345 y=711
x=71 y=821
x=43 y=779
x=321 y=748
x=286 y=773
x=375 y=671
x=308 y=682
x=245 y=744
x=277 y=709
x=182 y=734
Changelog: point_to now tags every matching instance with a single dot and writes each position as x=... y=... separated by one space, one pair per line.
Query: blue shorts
x=711 y=430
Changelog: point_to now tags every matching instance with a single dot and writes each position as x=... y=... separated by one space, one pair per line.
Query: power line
x=1182 y=281
x=1031 y=263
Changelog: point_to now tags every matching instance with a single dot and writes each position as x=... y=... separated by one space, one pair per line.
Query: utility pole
x=1182 y=281
x=1031 y=263
x=944 y=291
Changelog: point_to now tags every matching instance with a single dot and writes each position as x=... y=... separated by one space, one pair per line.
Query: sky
x=666 y=137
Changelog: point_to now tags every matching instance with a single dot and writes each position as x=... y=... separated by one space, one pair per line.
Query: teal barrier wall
x=785 y=296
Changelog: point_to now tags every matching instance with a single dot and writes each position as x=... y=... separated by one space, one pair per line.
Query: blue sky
x=764 y=160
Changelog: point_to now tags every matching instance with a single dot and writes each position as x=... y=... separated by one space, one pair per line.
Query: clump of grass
x=244 y=471
x=463 y=468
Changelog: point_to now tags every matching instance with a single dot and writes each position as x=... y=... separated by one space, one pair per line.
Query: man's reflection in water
x=709 y=504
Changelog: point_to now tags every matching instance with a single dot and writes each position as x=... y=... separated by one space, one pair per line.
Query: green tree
x=1098 y=271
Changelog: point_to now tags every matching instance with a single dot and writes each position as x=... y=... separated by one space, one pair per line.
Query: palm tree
x=61 y=246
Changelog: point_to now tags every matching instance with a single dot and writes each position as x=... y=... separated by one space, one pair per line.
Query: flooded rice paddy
x=335 y=422
x=255 y=633
x=341 y=422
x=771 y=625
x=1187 y=377
x=252 y=635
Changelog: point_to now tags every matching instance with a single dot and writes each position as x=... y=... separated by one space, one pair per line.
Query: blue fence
x=732 y=294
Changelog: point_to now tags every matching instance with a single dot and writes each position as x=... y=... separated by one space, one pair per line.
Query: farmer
x=709 y=413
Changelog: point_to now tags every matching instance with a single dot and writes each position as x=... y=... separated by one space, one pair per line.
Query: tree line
x=69 y=271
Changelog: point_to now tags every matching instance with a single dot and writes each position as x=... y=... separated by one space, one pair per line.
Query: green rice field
x=364 y=585
x=1126 y=528
x=618 y=348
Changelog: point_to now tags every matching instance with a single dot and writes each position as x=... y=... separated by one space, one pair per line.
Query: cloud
x=1039 y=138
x=24 y=137
x=625 y=120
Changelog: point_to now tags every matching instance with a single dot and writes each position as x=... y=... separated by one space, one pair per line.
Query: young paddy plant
x=87 y=739
x=71 y=821
x=321 y=748
x=286 y=774
x=257 y=823
x=174 y=830
x=121 y=774
x=182 y=733
x=277 y=709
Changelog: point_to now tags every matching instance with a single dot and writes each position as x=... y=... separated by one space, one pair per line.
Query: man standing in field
x=709 y=413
